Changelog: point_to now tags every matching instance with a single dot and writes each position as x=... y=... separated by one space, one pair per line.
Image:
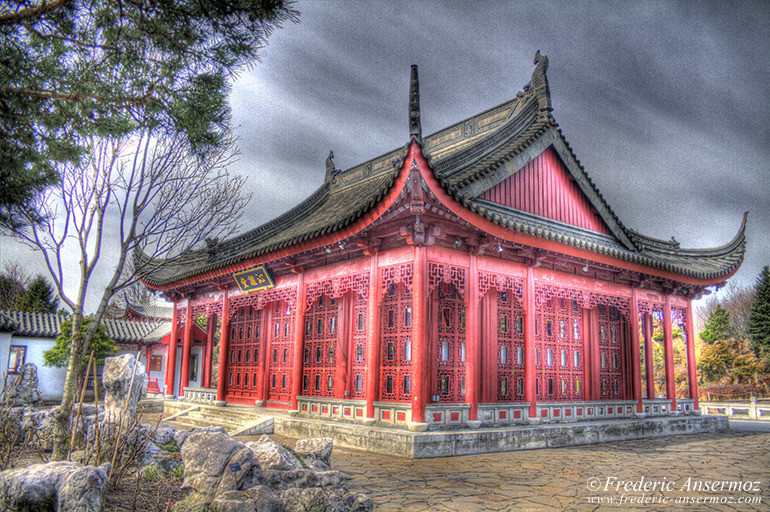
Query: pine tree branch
x=31 y=13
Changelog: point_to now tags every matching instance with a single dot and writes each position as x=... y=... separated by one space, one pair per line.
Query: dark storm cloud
x=664 y=103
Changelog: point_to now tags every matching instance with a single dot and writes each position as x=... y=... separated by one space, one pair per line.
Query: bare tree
x=737 y=301
x=139 y=194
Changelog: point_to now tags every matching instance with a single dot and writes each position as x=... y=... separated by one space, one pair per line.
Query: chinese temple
x=473 y=277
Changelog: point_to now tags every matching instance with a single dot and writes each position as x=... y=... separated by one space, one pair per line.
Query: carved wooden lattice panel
x=281 y=352
x=358 y=358
x=213 y=307
x=611 y=334
x=447 y=274
x=321 y=347
x=501 y=283
x=559 y=347
x=510 y=347
x=261 y=299
x=396 y=346
x=622 y=305
x=396 y=274
x=337 y=286
x=646 y=306
x=450 y=345
x=244 y=366
x=546 y=292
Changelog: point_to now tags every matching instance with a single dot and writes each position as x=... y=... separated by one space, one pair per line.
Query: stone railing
x=200 y=395
x=738 y=410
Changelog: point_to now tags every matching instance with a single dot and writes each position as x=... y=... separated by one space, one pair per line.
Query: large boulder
x=272 y=455
x=116 y=378
x=24 y=391
x=56 y=487
x=259 y=499
x=315 y=449
x=215 y=463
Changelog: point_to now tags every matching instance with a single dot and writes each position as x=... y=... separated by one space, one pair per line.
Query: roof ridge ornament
x=539 y=82
x=415 y=129
x=331 y=171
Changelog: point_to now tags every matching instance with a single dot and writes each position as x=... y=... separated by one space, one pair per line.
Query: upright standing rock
x=116 y=379
x=25 y=392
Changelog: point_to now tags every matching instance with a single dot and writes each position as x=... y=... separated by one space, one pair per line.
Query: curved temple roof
x=467 y=158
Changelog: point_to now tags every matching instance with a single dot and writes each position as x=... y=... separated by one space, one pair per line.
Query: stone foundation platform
x=424 y=445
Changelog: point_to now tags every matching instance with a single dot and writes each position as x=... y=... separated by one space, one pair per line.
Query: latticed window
x=321 y=337
x=360 y=309
x=450 y=349
x=282 y=351
x=396 y=344
x=245 y=341
x=610 y=351
x=510 y=347
x=559 y=347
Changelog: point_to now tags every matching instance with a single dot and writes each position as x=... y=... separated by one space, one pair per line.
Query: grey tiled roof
x=466 y=159
x=48 y=325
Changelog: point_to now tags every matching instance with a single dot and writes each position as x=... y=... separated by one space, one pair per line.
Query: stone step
x=224 y=413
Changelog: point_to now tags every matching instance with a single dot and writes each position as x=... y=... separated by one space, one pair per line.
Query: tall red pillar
x=473 y=343
x=171 y=355
x=372 y=337
x=224 y=349
x=529 y=344
x=184 y=378
x=692 y=374
x=420 y=334
x=211 y=327
x=649 y=360
x=668 y=350
x=636 y=357
x=299 y=339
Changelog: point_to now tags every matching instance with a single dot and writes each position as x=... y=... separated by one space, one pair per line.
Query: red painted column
x=596 y=382
x=372 y=337
x=668 y=350
x=648 y=355
x=636 y=357
x=299 y=339
x=692 y=374
x=529 y=344
x=473 y=342
x=420 y=334
x=211 y=327
x=224 y=348
x=171 y=355
x=184 y=378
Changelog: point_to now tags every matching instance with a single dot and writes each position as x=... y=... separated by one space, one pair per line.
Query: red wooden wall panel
x=543 y=187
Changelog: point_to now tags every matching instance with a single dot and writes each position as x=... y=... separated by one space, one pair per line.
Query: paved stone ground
x=573 y=478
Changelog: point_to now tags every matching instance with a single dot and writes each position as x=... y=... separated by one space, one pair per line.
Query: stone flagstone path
x=559 y=479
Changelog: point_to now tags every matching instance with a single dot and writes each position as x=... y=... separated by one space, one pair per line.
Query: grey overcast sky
x=666 y=104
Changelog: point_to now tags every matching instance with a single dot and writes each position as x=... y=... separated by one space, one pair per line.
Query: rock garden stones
x=56 y=487
x=120 y=374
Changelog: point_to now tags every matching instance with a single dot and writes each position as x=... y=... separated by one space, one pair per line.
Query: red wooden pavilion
x=472 y=277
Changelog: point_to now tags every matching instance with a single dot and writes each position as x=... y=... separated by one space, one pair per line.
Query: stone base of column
x=258 y=403
x=416 y=426
x=293 y=412
x=533 y=421
x=368 y=421
x=474 y=424
x=220 y=403
x=640 y=415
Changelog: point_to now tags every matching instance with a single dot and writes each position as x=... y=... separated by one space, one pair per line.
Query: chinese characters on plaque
x=254 y=279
